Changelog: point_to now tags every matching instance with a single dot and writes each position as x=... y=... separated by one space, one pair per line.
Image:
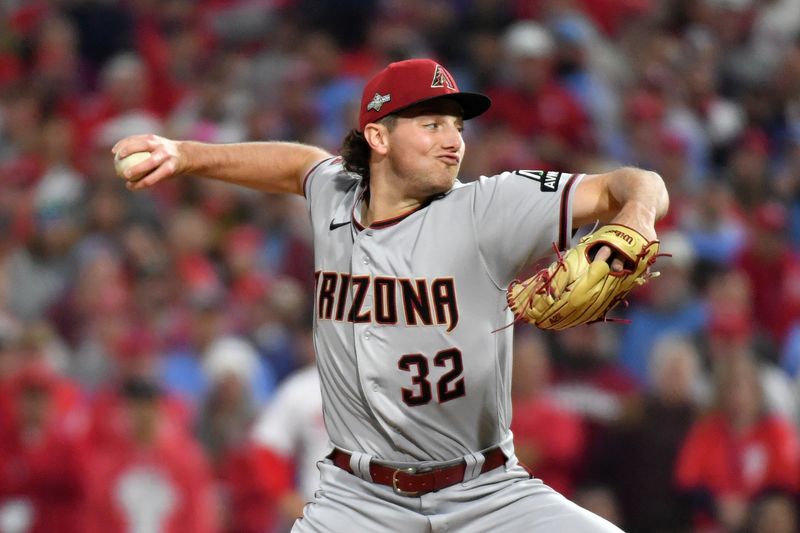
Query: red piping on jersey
x=563 y=238
x=385 y=223
x=315 y=167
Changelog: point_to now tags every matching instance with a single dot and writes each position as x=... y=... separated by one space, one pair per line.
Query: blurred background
x=156 y=361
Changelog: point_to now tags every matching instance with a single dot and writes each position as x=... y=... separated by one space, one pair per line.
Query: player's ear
x=377 y=136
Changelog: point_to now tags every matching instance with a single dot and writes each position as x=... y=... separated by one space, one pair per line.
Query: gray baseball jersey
x=414 y=363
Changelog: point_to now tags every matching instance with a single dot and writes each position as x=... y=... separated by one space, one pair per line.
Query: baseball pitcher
x=414 y=283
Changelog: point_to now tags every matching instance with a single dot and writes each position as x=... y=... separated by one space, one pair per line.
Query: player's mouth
x=449 y=159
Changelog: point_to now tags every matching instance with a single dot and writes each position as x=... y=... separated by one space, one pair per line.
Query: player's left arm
x=570 y=291
x=630 y=196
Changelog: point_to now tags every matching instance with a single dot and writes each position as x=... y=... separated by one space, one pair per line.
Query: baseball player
x=412 y=269
x=290 y=429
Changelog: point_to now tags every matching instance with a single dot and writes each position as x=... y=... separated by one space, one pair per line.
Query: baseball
x=121 y=165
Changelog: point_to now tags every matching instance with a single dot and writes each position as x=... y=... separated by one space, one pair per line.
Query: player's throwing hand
x=165 y=161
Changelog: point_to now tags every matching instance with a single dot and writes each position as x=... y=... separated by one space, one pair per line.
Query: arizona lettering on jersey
x=418 y=302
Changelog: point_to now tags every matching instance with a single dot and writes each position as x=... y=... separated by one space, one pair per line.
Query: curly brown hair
x=356 y=152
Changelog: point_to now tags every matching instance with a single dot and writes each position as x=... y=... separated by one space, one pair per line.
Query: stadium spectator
x=776 y=299
x=650 y=444
x=671 y=307
x=42 y=461
x=737 y=451
x=156 y=479
x=223 y=427
x=589 y=382
x=290 y=437
x=533 y=103
x=549 y=439
x=134 y=355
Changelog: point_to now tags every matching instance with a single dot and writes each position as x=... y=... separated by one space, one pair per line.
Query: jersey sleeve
x=518 y=217
x=315 y=178
x=325 y=188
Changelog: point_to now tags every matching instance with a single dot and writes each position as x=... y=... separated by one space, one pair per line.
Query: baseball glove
x=574 y=290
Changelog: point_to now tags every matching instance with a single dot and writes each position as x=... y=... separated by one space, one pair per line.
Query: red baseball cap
x=406 y=83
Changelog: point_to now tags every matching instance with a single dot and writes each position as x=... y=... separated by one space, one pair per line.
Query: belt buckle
x=397 y=490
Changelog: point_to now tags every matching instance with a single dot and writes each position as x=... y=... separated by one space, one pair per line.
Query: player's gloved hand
x=166 y=160
x=576 y=288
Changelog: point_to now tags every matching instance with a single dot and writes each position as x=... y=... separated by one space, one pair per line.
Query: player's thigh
x=520 y=504
x=545 y=510
x=346 y=504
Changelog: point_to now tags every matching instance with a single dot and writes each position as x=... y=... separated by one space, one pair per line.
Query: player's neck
x=384 y=202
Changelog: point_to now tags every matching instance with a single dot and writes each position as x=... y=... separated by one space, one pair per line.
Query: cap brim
x=472 y=104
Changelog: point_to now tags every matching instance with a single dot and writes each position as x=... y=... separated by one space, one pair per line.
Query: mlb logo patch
x=377 y=102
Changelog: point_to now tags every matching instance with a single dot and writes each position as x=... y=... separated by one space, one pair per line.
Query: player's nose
x=452 y=138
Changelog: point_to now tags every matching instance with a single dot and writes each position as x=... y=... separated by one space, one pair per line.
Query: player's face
x=426 y=148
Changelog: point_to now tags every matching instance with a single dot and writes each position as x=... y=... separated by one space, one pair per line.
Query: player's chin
x=443 y=182
x=450 y=171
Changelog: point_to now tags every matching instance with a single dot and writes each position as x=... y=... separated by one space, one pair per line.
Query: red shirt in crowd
x=553 y=437
x=717 y=460
x=41 y=479
x=41 y=459
x=165 y=487
x=776 y=289
x=250 y=499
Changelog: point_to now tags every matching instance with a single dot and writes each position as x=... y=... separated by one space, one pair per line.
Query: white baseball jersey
x=407 y=311
x=292 y=425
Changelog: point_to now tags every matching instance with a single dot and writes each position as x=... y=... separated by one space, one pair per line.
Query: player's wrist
x=189 y=158
x=639 y=216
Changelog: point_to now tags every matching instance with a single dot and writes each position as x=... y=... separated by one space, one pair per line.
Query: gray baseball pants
x=505 y=500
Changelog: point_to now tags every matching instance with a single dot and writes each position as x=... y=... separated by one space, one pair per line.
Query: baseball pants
x=504 y=499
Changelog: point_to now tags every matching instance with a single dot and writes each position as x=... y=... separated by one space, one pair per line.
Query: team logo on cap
x=378 y=101
x=442 y=78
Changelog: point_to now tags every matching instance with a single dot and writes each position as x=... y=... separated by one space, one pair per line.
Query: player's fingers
x=147 y=142
x=145 y=182
x=132 y=144
x=605 y=254
x=160 y=173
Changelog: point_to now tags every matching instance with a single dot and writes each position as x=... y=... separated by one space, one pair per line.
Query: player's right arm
x=276 y=167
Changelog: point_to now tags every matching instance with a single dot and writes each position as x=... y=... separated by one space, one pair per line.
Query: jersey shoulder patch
x=548 y=180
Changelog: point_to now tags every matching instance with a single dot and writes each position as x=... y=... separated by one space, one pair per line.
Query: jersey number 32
x=449 y=386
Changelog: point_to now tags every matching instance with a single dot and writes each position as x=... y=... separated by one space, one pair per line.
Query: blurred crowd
x=156 y=358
